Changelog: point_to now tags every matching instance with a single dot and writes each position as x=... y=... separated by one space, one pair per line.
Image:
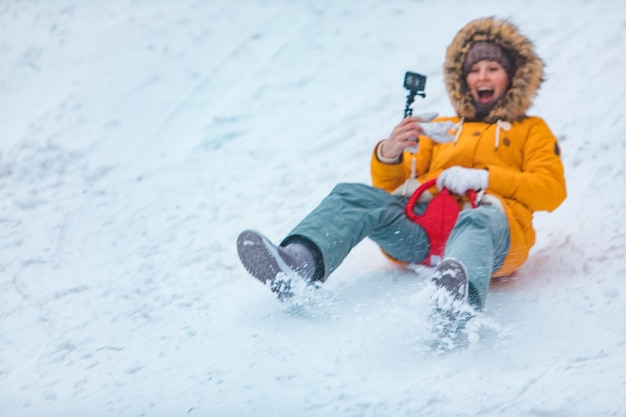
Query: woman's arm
x=541 y=183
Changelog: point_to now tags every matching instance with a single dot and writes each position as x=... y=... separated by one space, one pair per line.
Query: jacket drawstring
x=501 y=125
x=459 y=128
x=413 y=176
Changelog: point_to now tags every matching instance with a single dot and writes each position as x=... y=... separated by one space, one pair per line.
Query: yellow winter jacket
x=525 y=172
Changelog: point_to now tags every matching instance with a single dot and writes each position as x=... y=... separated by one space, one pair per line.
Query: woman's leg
x=480 y=240
x=352 y=212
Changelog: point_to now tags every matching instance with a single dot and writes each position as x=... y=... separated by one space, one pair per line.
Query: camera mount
x=416 y=84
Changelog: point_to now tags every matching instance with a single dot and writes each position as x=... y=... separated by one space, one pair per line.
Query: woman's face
x=487 y=81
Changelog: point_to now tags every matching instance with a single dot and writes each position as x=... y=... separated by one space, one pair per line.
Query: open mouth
x=485 y=94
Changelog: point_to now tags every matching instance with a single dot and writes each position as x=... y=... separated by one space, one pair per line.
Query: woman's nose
x=482 y=74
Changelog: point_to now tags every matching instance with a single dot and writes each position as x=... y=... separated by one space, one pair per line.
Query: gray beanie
x=490 y=51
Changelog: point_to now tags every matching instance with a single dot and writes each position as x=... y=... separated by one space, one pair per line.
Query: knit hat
x=490 y=51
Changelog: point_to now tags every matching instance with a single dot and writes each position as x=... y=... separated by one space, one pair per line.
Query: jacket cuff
x=381 y=158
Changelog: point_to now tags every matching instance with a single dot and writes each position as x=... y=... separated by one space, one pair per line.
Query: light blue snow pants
x=352 y=212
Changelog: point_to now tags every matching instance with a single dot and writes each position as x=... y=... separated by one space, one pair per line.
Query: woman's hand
x=404 y=135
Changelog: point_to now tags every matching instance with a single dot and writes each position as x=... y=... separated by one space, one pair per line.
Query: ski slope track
x=138 y=138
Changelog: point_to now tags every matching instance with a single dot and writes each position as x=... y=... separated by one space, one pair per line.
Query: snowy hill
x=138 y=138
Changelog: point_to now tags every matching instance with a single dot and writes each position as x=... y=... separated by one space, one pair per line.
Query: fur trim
x=526 y=80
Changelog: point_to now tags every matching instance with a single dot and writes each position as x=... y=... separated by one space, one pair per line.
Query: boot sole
x=259 y=256
x=452 y=276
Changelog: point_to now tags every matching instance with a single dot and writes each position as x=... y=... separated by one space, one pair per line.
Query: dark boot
x=275 y=265
x=450 y=274
x=451 y=309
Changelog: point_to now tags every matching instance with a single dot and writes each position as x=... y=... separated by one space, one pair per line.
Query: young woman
x=492 y=73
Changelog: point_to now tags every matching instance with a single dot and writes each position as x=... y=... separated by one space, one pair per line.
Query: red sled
x=438 y=220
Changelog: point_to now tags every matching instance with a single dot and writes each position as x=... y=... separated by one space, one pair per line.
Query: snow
x=140 y=137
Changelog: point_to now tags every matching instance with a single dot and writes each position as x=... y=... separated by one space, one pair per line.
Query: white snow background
x=138 y=138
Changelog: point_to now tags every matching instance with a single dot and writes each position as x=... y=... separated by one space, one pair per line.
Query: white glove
x=459 y=180
x=425 y=118
x=438 y=131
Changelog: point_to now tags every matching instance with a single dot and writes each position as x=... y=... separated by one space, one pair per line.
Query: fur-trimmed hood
x=526 y=80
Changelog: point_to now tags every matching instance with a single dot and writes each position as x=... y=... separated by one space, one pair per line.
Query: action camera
x=415 y=82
